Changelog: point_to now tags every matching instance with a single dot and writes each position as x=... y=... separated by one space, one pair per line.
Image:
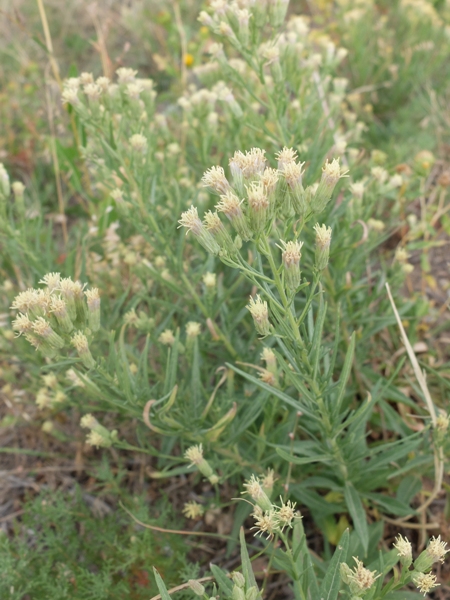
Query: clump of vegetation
x=271 y=352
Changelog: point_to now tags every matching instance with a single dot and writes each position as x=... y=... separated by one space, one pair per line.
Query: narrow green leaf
x=357 y=513
x=303 y=460
x=161 y=586
x=247 y=569
x=345 y=374
x=274 y=391
x=225 y=585
x=331 y=583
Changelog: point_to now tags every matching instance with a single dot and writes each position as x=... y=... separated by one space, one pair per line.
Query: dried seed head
x=194 y=455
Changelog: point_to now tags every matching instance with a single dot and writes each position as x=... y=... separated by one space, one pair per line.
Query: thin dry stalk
x=420 y=376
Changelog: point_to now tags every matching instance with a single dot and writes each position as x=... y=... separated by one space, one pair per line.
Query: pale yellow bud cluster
x=260 y=313
x=359 y=579
x=193 y=510
x=194 y=455
x=47 y=316
x=99 y=436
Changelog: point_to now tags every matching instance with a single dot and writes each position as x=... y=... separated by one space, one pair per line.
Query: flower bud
x=238 y=579
x=251 y=593
x=191 y=221
x=323 y=241
x=42 y=329
x=230 y=205
x=237 y=593
x=331 y=173
x=260 y=313
x=214 y=225
x=434 y=552
x=293 y=174
x=59 y=309
x=93 y=303
x=5 y=188
x=277 y=12
x=404 y=551
x=256 y=492
x=258 y=203
x=18 y=189
x=291 y=264
x=80 y=343
x=196 y=587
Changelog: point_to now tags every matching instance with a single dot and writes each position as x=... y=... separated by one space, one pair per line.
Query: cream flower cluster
x=60 y=314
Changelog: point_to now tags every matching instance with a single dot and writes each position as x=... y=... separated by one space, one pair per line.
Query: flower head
x=404 y=550
x=260 y=313
x=285 y=157
x=436 y=549
x=425 y=582
x=194 y=455
x=214 y=178
x=267 y=523
x=191 y=221
x=193 y=510
x=167 y=338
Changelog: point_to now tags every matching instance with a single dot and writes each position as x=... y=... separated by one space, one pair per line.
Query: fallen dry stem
x=438 y=452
